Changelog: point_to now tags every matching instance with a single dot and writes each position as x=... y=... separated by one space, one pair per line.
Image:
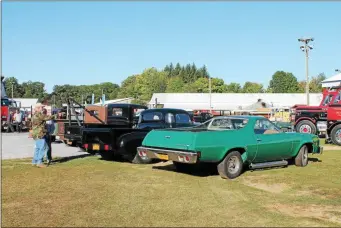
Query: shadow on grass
x=200 y=170
x=66 y=159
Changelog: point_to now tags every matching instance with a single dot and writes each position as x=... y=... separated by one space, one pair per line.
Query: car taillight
x=106 y=147
x=142 y=153
x=86 y=146
x=183 y=158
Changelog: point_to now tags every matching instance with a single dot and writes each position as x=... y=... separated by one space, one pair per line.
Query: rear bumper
x=171 y=155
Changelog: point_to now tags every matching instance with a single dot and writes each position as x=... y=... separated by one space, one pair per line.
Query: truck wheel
x=181 y=167
x=306 y=126
x=335 y=135
x=301 y=158
x=138 y=160
x=232 y=166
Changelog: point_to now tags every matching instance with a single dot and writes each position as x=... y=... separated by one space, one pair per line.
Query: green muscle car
x=232 y=143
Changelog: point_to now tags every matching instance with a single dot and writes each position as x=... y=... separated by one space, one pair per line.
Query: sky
x=93 y=42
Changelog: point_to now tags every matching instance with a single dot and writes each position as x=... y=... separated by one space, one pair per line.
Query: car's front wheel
x=301 y=158
x=232 y=165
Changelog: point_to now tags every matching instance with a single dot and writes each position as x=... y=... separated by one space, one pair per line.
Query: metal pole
x=306 y=49
x=307 y=72
x=210 y=90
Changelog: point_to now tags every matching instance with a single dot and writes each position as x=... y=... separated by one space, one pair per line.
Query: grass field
x=91 y=192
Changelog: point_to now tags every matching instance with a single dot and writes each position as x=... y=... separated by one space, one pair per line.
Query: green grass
x=92 y=192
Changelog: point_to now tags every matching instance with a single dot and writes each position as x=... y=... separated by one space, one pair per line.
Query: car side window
x=265 y=127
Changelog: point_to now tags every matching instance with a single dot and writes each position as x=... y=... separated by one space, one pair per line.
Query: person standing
x=49 y=125
x=18 y=120
x=39 y=135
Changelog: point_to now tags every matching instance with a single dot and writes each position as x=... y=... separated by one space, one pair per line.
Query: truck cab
x=313 y=119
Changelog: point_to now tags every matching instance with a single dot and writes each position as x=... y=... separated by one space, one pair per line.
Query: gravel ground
x=19 y=145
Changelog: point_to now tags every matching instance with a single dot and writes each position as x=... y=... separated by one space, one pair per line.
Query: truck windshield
x=151 y=116
x=5 y=102
x=182 y=118
x=327 y=100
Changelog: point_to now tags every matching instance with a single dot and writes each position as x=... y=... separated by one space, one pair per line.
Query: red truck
x=313 y=119
x=7 y=105
x=334 y=122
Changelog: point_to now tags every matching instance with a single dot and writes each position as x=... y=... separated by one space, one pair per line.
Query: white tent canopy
x=332 y=81
x=231 y=101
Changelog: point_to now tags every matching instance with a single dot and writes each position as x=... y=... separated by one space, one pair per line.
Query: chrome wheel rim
x=233 y=164
x=305 y=128
x=338 y=136
x=305 y=156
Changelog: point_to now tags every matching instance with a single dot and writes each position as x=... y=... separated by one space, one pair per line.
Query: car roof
x=243 y=117
x=163 y=110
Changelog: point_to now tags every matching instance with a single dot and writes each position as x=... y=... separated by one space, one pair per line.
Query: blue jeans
x=40 y=150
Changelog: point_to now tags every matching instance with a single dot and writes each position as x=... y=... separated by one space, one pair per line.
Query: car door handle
x=258 y=140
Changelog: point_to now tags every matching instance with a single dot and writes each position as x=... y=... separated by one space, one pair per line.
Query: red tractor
x=313 y=119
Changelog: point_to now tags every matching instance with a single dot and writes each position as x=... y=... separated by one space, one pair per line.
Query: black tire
x=138 y=160
x=301 y=158
x=107 y=155
x=233 y=158
x=308 y=124
x=335 y=135
x=132 y=154
x=181 y=167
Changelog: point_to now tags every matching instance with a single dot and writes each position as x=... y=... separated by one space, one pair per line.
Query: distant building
x=26 y=103
x=230 y=101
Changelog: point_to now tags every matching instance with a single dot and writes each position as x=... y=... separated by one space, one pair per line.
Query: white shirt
x=18 y=117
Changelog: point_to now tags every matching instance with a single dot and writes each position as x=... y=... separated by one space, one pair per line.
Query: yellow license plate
x=95 y=147
x=163 y=156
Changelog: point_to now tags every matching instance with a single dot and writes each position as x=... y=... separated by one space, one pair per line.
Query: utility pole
x=12 y=89
x=210 y=90
x=306 y=48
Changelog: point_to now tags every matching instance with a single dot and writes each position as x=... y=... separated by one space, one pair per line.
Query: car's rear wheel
x=232 y=165
x=306 y=126
x=335 y=135
x=301 y=158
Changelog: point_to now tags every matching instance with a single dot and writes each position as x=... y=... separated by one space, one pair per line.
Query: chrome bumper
x=168 y=155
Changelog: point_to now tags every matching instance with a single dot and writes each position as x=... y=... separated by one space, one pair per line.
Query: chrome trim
x=172 y=154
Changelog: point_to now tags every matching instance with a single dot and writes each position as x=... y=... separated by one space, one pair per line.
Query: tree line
x=172 y=79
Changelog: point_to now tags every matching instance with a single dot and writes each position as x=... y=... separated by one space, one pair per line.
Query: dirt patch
x=331 y=148
x=326 y=213
x=256 y=182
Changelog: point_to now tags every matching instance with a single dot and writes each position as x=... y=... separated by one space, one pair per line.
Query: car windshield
x=223 y=123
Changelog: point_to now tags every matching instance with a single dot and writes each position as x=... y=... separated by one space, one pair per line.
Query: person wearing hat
x=39 y=133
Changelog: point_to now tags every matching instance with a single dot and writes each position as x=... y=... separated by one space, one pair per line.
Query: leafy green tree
x=175 y=85
x=233 y=88
x=283 y=82
x=12 y=83
x=253 y=87
x=177 y=69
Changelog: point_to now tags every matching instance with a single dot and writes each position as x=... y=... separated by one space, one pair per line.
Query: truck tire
x=335 y=135
x=301 y=158
x=306 y=126
x=133 y=155
x=181 y=167
x=232 y=166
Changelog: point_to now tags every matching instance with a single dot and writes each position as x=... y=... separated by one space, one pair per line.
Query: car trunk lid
x=179 y=139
